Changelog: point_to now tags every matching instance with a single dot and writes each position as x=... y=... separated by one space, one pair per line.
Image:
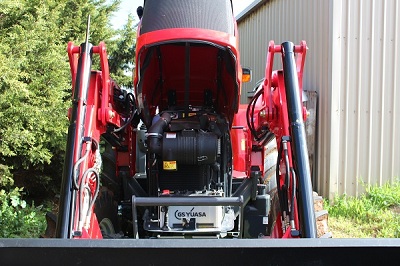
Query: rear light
x=246 y=75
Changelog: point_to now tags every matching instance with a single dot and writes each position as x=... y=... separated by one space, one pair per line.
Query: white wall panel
x=353 y=64
x=368 y=141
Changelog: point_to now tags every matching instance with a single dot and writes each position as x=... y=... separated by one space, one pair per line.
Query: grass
x=374 y=214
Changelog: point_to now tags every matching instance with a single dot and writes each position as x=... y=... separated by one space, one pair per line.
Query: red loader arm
x=91 y=115
x=277 y=108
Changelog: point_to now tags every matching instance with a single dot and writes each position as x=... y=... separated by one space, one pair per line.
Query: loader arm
x=91 y=115
x=277 y=108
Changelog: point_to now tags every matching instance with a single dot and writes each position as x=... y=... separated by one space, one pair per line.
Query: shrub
x=17 y=218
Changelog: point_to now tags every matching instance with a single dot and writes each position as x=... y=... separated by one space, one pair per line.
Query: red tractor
x=180 y=156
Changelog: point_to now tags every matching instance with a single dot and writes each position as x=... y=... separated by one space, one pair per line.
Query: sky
x=129 y=6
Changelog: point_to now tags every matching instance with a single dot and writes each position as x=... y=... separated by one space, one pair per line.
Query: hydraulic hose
x=133 y=112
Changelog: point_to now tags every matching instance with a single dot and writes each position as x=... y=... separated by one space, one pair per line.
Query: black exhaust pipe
x=299 y=144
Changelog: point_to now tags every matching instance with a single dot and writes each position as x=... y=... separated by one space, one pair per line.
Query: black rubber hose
x=155 y=133
x=130 y=99
x=250 y=115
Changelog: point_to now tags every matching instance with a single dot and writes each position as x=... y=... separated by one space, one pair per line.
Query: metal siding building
x=353 y=64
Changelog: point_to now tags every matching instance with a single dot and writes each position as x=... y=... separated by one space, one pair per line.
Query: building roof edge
x=248 y=10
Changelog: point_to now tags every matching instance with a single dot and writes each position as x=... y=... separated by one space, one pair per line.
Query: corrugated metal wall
x=365 y=108
x=353 y=64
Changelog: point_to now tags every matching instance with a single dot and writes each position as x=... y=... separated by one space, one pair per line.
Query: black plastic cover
x=190 y=147
x=204 y=14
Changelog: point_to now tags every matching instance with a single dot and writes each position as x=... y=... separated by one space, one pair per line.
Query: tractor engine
x=187 y=151
x=185 y=155
x=195 y=152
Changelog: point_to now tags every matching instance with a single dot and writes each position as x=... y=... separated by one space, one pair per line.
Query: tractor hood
x=187 y=56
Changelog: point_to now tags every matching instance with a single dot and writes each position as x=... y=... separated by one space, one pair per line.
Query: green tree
x=35 y=84
x=122 y=55
x=33 y=79
x=73 y=15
